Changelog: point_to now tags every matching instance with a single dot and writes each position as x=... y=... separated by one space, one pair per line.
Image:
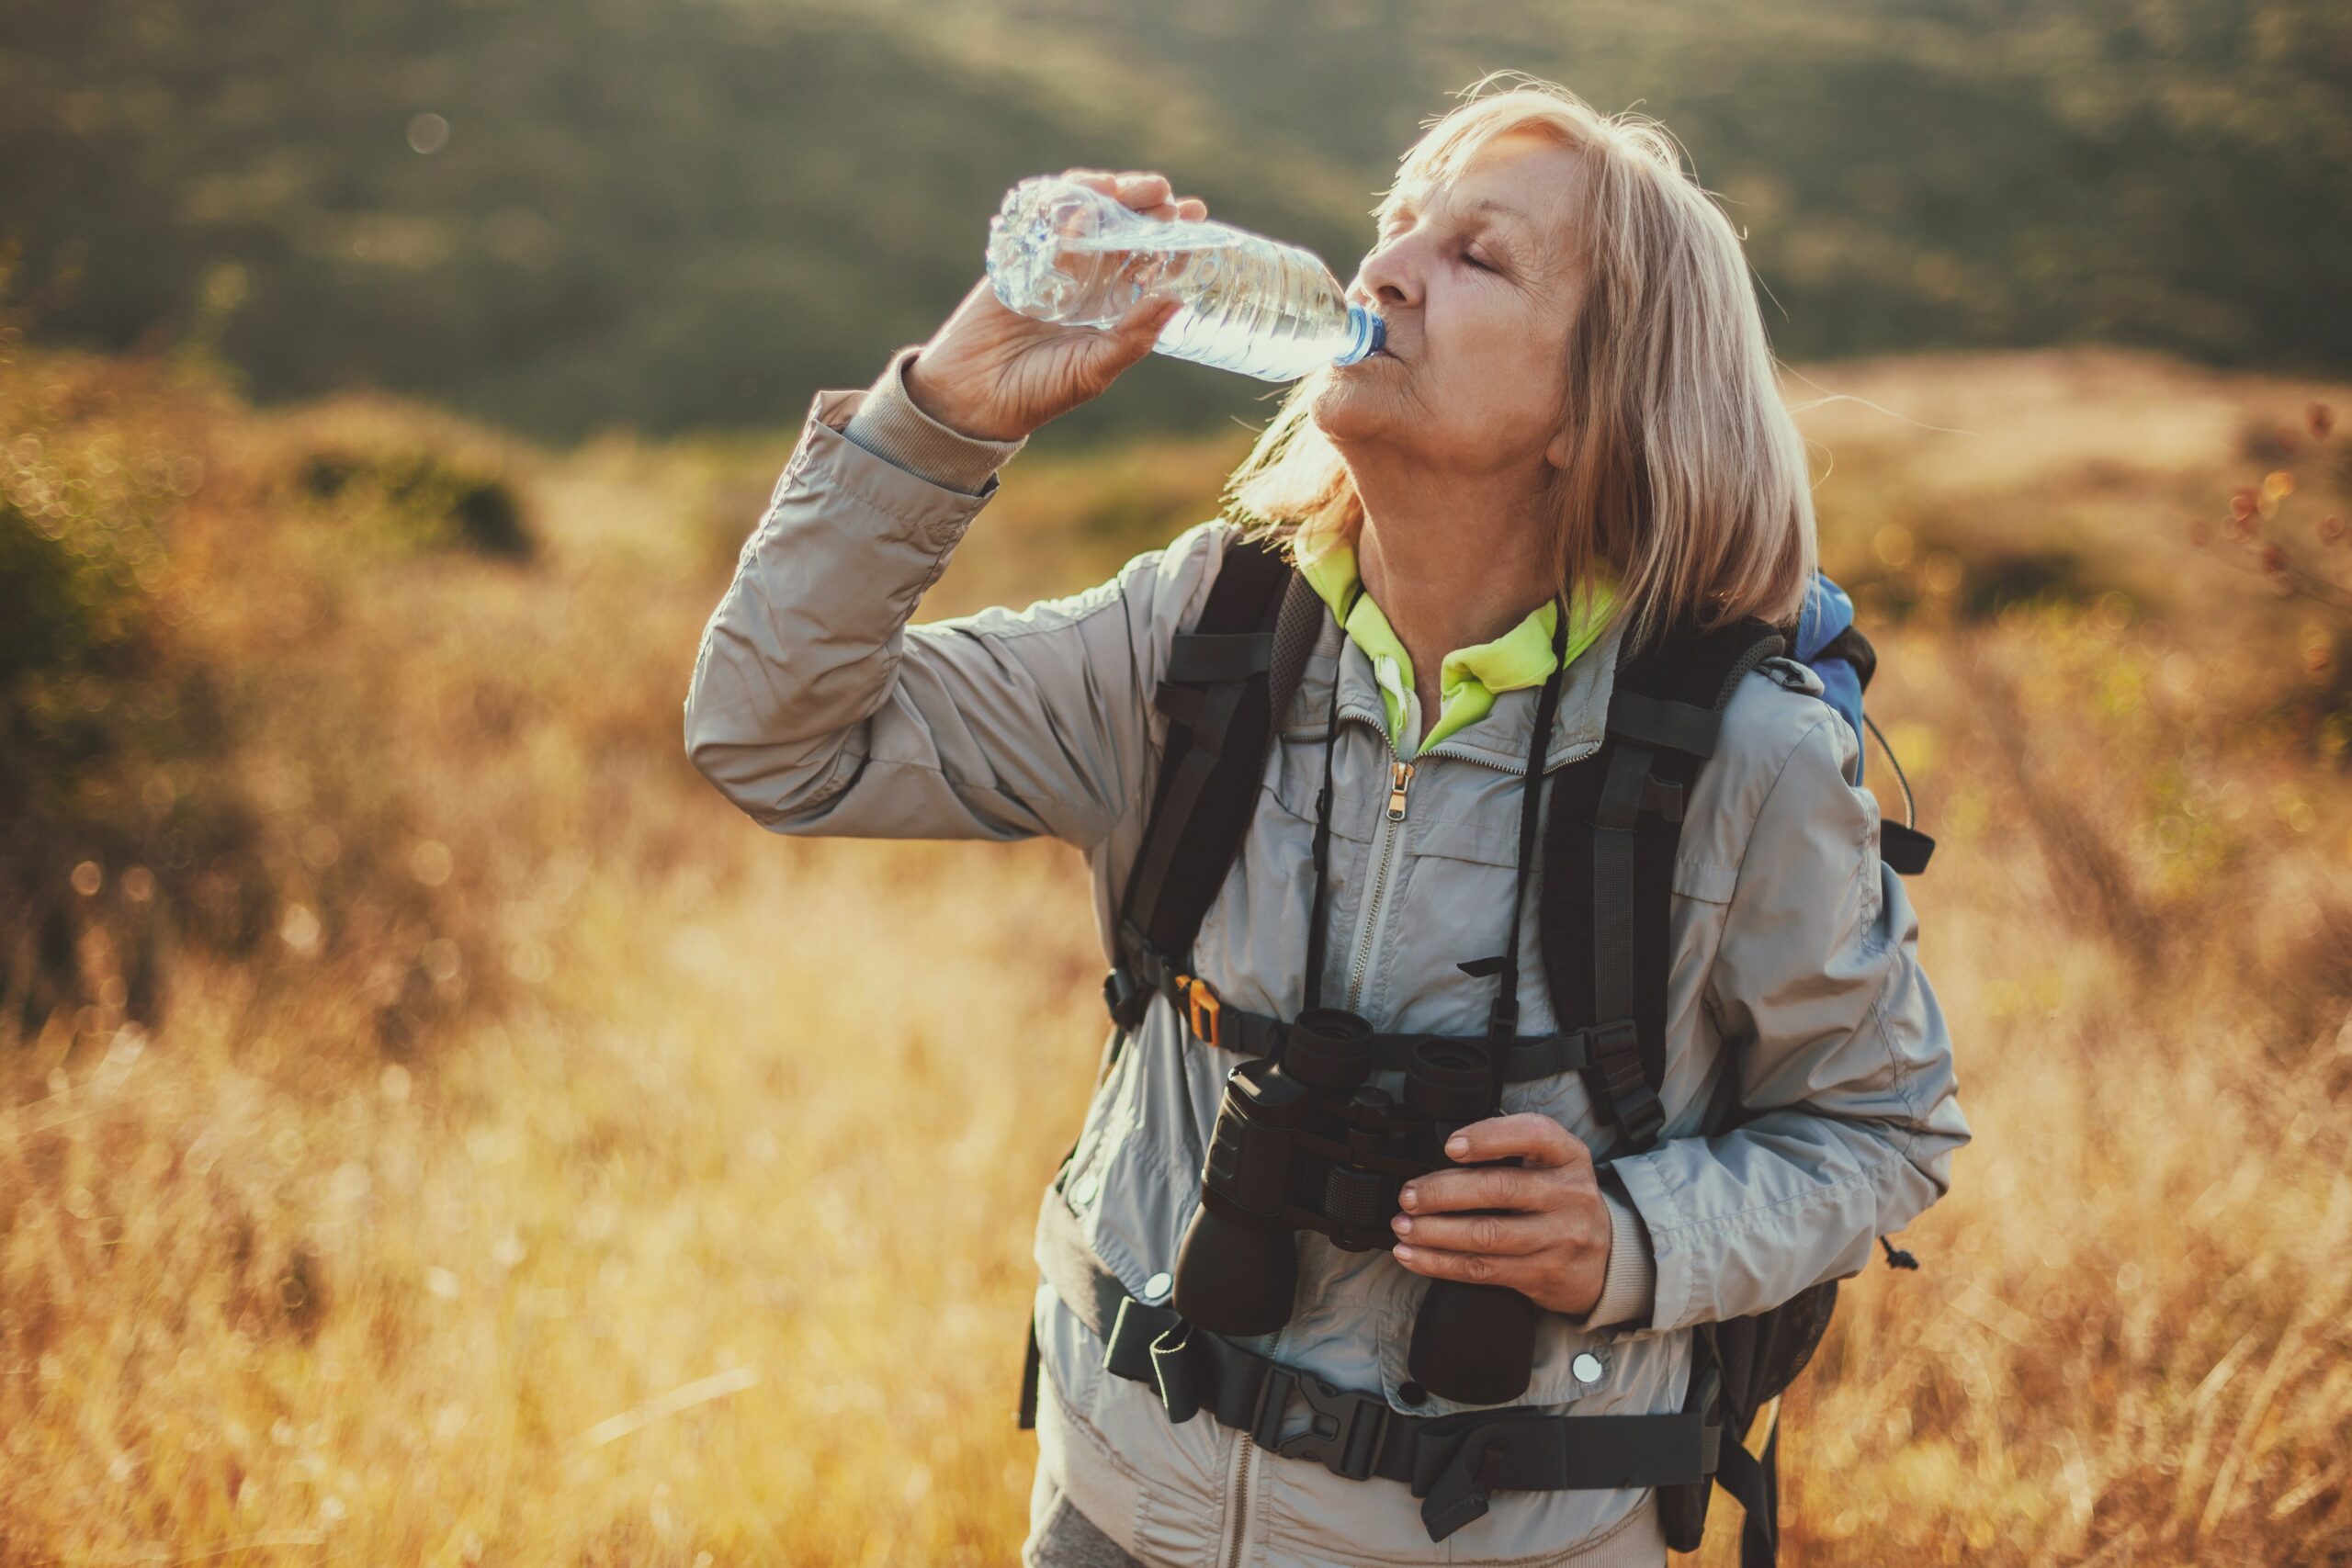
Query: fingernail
x=1457 y=1145
x=1404 y=1254
x=1409 y=1197
x=1403 y=1222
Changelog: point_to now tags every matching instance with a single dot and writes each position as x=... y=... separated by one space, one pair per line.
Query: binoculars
x=1303 y=1143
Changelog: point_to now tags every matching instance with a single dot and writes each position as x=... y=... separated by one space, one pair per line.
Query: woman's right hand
x=995 y=374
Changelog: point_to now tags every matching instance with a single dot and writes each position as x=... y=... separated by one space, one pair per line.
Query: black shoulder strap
x=1227 y=678
x=1616 y=821
x=1609 y=851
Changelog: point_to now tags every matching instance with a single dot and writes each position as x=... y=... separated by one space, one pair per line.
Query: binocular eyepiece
x=1304 y=1141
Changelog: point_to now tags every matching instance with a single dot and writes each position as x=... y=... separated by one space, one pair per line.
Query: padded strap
x=1609 y=860
x=1677 y=726
x=1218 y=705
x=1227 y=681
x=1196 y=656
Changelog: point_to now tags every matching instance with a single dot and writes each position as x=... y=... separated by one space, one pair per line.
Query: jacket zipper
x=1239 y=1509
x=1400 y=783
x=1400 y=780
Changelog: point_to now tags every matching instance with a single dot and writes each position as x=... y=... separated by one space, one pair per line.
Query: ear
x=1562 y=449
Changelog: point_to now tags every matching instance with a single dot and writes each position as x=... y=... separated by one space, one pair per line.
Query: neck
x=1451 y=562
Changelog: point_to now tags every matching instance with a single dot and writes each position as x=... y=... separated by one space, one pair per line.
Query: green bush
x=427 y=500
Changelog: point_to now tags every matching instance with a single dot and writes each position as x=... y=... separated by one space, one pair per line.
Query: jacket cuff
x=889 y=425
x=1628 y=1288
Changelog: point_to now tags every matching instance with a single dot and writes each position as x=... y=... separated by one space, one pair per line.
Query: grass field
x=487 y=1147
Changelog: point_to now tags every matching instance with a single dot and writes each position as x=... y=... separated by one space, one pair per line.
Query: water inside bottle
x=1251 y=305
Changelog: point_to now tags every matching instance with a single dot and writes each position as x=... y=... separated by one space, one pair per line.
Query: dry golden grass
x=607 y=1182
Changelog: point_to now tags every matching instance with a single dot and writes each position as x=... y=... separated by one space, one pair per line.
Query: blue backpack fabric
x=1827 y=613
x=1833 y=647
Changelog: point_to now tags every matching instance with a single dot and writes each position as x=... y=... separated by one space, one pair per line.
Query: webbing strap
x=1502 y=1020
x=1315 y=908
x=1627 y=1082
x=1247 y=1033
x=1754 y=1482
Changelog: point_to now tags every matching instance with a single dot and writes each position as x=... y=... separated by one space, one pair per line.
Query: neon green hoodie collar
x=1470 y=678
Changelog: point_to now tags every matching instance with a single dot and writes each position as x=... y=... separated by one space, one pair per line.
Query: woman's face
x=1479 y=279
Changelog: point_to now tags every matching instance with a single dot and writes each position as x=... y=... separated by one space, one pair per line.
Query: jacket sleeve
x=1842 y=1057
x=817 y=709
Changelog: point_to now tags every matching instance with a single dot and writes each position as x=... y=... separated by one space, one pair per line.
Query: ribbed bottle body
x=1063 y=252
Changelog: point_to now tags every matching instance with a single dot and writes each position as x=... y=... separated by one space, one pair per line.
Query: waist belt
x=1452 y=1462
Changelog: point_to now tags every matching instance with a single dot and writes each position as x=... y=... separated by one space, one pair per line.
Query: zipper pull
x=1400 y=779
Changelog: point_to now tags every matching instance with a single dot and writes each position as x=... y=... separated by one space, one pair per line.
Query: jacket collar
x=1501 y=739
x=1503 y=667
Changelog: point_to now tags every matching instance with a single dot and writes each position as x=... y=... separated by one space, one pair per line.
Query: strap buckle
x=1343 y=1435
x=1202 y=1010
x=1614 y=1060
x=1123 y=998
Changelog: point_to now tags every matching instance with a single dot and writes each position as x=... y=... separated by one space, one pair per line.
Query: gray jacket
x=817 y=708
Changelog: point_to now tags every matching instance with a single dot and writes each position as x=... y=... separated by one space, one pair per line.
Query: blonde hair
x=1689 y=477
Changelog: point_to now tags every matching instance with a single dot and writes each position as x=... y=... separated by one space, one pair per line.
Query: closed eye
x=1390 y=232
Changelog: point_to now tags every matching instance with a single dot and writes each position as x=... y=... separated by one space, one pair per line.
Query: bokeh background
x=434 y=1128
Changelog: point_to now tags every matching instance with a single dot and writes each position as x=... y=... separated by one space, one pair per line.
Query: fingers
x=1537 y=1138
x=1506 y=1234
x=1439 y=1192
x=1143 y=322
x=1146 y=191
x=1477 y=1268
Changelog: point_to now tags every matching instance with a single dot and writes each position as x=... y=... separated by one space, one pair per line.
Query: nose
x=1387 y=279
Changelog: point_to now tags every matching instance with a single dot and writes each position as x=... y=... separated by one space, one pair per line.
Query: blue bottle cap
x=1371 y=332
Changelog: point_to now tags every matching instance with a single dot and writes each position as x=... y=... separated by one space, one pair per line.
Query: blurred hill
x=561 y=218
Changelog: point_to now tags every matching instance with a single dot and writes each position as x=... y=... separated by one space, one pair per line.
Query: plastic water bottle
x=1064 y=253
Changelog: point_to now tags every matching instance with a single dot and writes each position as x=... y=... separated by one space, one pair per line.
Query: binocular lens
x=1234 y=1279
x=1448 y=1081
x=1473 y=1343
x=1327 y=1049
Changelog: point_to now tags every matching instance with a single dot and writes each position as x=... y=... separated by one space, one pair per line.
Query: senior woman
x=1573 y=440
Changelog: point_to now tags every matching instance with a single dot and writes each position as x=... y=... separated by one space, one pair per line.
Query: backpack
x=1607 y=861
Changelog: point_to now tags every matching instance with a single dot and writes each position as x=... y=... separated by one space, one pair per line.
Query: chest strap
x=1128 y=989
x=1453 y=1462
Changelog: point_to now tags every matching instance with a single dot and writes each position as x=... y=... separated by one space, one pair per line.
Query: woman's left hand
x=1552 y=1246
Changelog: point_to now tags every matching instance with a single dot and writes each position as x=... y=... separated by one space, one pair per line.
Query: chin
x=1344 y=413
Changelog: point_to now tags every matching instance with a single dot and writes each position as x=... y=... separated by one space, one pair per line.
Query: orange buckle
x=1201 y=1008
